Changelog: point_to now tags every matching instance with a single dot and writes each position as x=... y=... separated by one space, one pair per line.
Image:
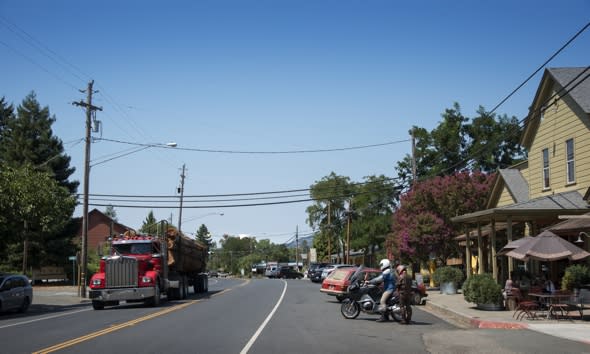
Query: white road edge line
x=43 y=318
x=259 y=330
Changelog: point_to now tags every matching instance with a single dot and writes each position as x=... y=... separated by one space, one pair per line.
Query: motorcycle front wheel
x=350 y=309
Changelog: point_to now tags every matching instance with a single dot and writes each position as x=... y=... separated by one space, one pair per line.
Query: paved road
x=258 y=316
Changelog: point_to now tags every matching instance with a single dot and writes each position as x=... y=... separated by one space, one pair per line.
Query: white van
x=272 y=269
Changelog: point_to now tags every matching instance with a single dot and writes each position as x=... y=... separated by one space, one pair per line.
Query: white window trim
x=573 y=162
x=545 y=172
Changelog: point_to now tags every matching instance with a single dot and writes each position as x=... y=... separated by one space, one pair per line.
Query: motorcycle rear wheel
x=350 y=309
x=406 y=314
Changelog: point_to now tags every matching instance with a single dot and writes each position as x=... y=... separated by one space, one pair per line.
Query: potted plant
x=483 y=290
x=447 y=278
x=575 y=276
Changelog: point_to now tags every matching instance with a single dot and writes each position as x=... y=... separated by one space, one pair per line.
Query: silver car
x=16 y=292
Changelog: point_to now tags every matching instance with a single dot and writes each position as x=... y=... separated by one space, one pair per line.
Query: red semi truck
x=140 y=268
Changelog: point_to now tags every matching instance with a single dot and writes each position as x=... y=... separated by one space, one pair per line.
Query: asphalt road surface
x=256 y=316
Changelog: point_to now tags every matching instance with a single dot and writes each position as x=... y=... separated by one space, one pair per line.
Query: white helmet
x=384 y=264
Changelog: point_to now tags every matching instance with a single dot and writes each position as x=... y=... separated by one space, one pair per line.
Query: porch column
x=468 y=253
x=480 y=260
x=493 y=250
x=509 y=236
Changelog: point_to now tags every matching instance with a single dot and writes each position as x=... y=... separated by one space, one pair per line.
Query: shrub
x=447 y=274
x=575 y=276
x=482 y=289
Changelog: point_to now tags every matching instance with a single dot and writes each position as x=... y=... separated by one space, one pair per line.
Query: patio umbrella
x=513 y=245
x=547 y=246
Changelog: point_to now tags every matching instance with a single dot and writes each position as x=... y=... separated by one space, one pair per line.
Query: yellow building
x=553 y=181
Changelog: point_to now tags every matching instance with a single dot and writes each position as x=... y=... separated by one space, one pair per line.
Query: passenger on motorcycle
x=389 y=280
x=404 y=284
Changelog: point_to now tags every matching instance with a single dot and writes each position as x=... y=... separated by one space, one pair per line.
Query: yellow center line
x=125 y=324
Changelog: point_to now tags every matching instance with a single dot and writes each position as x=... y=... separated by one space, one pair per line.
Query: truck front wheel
x=97 y=305
x=155 y=301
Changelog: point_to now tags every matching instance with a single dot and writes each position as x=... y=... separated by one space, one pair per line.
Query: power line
x=540 y=67
x=359 y=147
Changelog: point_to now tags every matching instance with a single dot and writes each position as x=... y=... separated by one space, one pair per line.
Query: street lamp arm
x=579 y=240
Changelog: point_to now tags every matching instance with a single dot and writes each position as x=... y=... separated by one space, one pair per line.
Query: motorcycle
x=364 y=297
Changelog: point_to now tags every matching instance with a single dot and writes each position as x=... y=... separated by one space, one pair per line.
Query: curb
x=466 y=321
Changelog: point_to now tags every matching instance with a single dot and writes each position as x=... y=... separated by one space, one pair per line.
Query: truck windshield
x=133 y=248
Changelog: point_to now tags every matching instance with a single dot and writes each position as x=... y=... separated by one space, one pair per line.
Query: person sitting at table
x=507 y=288
x=549 y=287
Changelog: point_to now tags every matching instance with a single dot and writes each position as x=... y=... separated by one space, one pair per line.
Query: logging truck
x=140 y=268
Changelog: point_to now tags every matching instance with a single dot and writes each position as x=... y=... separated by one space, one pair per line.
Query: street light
x=579 y=240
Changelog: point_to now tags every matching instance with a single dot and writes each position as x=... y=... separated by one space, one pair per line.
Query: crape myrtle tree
x=422 y=226
x=28 y=147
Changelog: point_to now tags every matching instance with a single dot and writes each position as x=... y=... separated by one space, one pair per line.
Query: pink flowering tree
x=422 y=224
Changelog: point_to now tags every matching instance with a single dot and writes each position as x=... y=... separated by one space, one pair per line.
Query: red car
x=336 y=284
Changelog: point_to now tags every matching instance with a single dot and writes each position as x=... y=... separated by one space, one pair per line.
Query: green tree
x=34 y=208
x=486 y=143
x=373 y=206
x=111 y=212
x=28 y=138
x=150 y=225
x=493 y=141
x=327 y=214
x=204 y=236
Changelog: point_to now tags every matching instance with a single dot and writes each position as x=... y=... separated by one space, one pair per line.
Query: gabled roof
x=109 y=219
x=515 y=183
x=558 y=79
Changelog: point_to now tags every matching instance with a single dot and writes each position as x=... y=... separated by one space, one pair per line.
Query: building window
x=546 y=182
x=569 y=161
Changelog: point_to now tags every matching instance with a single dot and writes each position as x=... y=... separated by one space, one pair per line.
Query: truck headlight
x=146 y=279
x=96 y=282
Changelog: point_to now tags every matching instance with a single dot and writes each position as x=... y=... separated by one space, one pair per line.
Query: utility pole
x=348 y=233
x=181 y=190
x=329 y=233
x=413 y=157
x=89 y=111
x=297 y=247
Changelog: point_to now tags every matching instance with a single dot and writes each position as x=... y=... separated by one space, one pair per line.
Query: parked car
x=16 y=292
x=336 y=284
x=314 y=273
x=213 y=274
x=419 y=293
x=289 y=273
x=329 y=269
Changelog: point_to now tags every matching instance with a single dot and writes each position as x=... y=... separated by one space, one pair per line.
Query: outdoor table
x=552 y=303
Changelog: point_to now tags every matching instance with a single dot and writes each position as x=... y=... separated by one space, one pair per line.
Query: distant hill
x=309 y=240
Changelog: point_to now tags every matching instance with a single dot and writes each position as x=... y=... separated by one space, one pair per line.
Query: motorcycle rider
x=389 y=280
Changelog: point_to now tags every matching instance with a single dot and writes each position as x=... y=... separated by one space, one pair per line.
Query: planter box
x=448 y=288
x=490 y=307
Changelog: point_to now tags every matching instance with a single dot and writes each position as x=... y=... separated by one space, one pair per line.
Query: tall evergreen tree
x=28 y=138
x=204 y=236
x=150 y=224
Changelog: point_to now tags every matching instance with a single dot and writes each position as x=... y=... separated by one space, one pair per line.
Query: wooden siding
x=557 y=126
x=505 y=198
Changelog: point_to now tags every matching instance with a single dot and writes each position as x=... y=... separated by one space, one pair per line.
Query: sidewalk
x=57 y=296
x=454 y=309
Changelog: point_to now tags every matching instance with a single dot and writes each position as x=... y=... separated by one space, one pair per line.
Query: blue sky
x=269 y=76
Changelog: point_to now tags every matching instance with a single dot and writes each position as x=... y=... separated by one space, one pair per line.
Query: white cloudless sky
x=268 y=76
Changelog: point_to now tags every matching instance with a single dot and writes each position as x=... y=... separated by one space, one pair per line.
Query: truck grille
x=121 y=272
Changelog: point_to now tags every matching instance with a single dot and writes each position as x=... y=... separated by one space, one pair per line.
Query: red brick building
x=100 y=227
